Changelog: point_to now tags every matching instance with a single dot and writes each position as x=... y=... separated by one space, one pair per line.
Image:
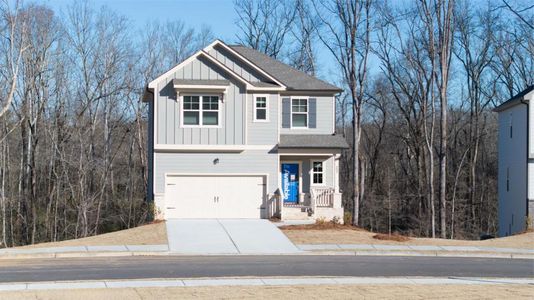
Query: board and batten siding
x=232 y=118
x=324 y=117
x=235 y=64
x=512 y=167
x=262 y=133
x=246 y=162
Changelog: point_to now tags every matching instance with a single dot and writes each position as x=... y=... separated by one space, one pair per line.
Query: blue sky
x=218 y=14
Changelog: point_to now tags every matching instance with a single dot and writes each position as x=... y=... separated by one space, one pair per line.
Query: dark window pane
x=318 y=178
x=261 y=114
x=210 y=118
x=300 y=120
x=261 y=102
x=191 y=118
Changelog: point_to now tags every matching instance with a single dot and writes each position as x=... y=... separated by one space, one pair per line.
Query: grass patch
x=391 y=237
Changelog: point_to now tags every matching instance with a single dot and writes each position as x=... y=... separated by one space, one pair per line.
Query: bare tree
x=304 y=32
x=347 y=37
x=264 y=24
x=13 y=33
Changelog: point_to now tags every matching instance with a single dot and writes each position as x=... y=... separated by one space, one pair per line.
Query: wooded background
x=420 y=80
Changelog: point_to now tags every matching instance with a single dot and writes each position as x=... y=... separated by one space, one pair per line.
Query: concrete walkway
x=241 y=245
x=379 y=247
x=227 y=236
x=417 y=250
x=262 y=281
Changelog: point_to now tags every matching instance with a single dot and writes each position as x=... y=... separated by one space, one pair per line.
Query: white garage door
x=214 y=196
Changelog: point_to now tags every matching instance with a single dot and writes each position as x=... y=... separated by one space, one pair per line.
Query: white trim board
x=210 y=148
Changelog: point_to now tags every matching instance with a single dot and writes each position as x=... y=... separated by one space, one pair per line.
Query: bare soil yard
x=313 y=234
x=291 y=292
x=151 y=234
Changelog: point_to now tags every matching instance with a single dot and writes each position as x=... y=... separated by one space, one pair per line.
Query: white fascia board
x=153 y=83
x=245 y=60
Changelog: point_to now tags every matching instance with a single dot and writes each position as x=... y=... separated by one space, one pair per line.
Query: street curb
x=259 y=281
x=326 y=253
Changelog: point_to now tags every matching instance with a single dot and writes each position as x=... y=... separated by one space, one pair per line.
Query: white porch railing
x=322 y=197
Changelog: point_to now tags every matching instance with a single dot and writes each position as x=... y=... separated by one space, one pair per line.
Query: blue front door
x=290 y=182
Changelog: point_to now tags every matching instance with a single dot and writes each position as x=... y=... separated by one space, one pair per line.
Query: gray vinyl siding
x=263 y=133
x=232 y=118
x=241 y=68
x=324 y=118
x=251 y=161
x=328 y=169
x=513 y=159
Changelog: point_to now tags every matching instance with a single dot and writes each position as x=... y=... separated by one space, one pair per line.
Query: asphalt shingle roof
x=312 y=141
x=512 y=101
x=290 y=77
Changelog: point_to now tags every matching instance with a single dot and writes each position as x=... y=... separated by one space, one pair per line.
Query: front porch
x=309 y=187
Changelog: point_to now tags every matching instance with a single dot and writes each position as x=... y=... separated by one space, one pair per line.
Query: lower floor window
x=317 y=172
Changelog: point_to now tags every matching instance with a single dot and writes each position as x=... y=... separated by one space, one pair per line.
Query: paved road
x=219 y=266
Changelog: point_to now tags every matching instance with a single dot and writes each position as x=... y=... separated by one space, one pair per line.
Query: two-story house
x=516 y=163
x=234 y=133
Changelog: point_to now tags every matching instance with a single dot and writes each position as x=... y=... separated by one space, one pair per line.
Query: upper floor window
x=317 y=172
x=299 y=113
x=200 y=110
x=261 y=112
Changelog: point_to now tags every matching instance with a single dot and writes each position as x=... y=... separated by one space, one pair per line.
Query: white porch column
x=336 y=172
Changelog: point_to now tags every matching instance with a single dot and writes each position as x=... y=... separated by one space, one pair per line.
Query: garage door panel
x=240 y=196
x=214 y=196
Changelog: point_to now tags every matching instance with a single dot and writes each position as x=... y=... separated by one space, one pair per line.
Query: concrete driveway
x=227 y=236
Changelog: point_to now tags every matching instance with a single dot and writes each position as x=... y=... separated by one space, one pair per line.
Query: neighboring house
x=237 y=134
x=516 y=163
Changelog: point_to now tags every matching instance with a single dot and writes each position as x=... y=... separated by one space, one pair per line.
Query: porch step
x=295 y=213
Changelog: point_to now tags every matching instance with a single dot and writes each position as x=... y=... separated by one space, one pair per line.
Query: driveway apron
x=227 y=236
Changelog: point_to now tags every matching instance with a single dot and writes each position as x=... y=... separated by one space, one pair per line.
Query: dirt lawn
x=151 y=234
x=358 y=236
x=291 y=292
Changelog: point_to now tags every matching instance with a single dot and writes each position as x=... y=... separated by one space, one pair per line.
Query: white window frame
x=200 y=110
x=307 y=112
x=256 y=96
x=312 y=172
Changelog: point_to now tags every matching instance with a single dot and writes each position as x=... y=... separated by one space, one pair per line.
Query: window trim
x=312 y=172
x=254 y=119
x=200 y=110
x=301 y=113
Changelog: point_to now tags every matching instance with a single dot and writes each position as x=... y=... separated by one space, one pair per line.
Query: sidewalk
x=261 y=281
x=419 y=250
x=306 y=249
x=266 y=288
x=84 y=251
